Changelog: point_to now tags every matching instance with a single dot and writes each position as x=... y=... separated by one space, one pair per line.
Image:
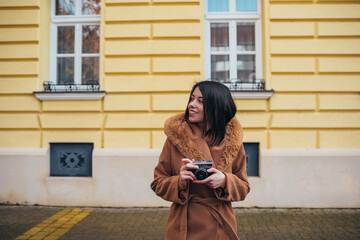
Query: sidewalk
x=149 y=223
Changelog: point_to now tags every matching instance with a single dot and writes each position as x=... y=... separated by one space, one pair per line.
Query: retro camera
x=201 y=172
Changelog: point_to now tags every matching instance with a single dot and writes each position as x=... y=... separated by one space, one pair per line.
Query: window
x=75 y=43
x=71 y=159
x=233 y=49
x=252 y=159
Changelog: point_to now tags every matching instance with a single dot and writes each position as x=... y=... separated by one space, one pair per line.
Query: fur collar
x=175 y=130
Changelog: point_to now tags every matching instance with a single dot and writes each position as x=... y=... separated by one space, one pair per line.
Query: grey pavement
x=149 y=223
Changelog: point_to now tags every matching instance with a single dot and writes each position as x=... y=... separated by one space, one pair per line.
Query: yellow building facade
x=151 y=55
x=152 y=52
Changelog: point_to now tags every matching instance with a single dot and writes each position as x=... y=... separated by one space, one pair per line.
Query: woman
x=208 y=130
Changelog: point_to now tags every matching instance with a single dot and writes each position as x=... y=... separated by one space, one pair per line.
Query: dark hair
x=219 y=109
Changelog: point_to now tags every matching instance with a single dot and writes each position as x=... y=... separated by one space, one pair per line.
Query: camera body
x=201 y=172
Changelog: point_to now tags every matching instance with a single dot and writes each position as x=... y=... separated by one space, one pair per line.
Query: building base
x=311 y=178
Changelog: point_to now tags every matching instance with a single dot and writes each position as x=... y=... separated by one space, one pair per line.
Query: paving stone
x=149 y=223
x=16 y=220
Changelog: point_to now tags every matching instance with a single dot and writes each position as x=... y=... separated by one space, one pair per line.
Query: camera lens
x=201 y=174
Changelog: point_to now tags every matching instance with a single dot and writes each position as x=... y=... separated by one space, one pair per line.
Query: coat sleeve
x=237 y=184
x=166 y=179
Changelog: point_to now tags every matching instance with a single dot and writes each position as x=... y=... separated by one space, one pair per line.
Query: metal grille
x=252 y=158
x=70 y=86
x=71 y=159
x=239 y=85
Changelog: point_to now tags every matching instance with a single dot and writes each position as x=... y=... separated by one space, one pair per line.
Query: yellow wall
x=152 y=53
x=315 y=70
x=19 y=73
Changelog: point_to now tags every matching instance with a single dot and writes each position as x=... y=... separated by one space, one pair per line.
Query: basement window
x=71 y=159
x=252 y=159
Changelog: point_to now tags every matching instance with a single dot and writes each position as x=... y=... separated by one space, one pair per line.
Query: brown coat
x=199 y=212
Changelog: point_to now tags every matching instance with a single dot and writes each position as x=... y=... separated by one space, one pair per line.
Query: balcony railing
x=70 y=86
x=238 y=85
x=70 y=91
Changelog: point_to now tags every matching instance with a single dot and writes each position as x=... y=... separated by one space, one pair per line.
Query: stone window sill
x=65 y=95
x=263 y=94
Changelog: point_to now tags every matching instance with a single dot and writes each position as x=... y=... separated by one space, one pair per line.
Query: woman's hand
x=185 y=175
x=216 y=180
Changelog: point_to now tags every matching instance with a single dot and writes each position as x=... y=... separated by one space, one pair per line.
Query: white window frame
x=233 y=17
x=78 y=21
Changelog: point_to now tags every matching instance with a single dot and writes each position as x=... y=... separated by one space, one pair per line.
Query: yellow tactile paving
x=57 y=225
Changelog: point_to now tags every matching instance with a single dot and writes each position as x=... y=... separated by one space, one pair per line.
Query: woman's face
x=196 y=111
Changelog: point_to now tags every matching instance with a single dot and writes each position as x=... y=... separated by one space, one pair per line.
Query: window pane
x=65 y=70
x=246 y=5
x=91 y=7
x=66 y=39
x=218 y=5
x=245 y=37
x=90 y=69
x=219 y=37
x=220 y=67
x=91 y=39
x=246 y=68
x=65 y=7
